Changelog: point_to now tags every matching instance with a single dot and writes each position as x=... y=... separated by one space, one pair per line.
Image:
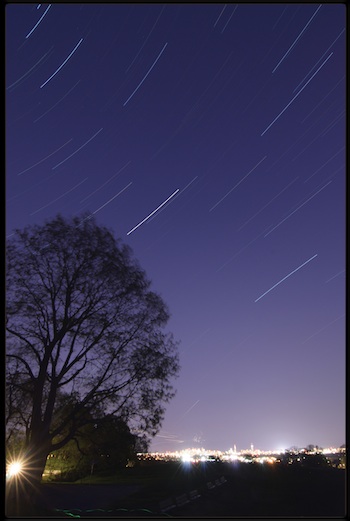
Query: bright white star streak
x=146 y=40
x=111 y=199
x=38 y=22
x=60 y=67
x=331 y=45
x=297 y=94
x=154 y=211
x=182 y=191
x=141 y=82
x=286 y=277
x=297 y=38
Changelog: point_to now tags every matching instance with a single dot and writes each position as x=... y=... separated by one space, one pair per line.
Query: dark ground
x=282 y=493
x=250 y=490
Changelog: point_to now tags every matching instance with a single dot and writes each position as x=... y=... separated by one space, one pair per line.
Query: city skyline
x=210 y=138
x=252 y=450
x=249 y=448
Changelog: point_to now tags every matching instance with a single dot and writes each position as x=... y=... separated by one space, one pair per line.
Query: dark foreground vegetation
x=171 y=489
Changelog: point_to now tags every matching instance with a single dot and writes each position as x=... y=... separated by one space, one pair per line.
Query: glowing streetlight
x=14 y=469
x=186 y=457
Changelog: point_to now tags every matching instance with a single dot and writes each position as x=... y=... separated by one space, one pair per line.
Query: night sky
x=211 y=139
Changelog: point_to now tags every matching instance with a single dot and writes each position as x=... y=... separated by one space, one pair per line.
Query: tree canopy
x=85 y=336
x=107 y=444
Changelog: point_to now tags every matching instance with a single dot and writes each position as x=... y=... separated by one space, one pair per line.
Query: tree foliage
x=105 y=445
x=85 y=335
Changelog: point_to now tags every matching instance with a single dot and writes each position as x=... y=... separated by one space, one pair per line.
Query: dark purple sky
x=235 y=113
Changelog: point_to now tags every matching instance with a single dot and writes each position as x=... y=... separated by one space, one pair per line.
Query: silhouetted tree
x=106 y=444
x=84 y=337
x=314 y=460
x=310 y=447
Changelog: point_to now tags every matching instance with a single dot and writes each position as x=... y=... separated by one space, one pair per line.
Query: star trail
x=286 y=277
x=210 y=138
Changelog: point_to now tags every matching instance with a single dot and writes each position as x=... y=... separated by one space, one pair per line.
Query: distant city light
x=198 y=456
x=186 y=457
